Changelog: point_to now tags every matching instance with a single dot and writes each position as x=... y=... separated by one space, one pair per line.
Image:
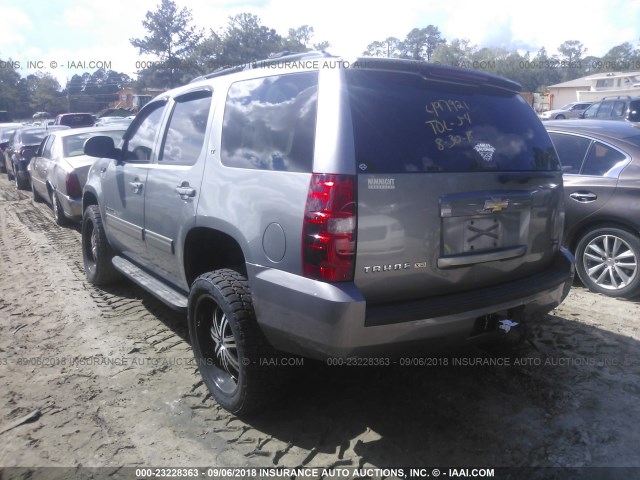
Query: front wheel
x=233 y=356
x=96 y=251
x=560 y=117
x=607 y=261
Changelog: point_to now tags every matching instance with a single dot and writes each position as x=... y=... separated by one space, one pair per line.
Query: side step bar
x=163 y=292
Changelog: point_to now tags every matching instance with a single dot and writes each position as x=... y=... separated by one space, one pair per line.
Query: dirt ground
x=105 y=378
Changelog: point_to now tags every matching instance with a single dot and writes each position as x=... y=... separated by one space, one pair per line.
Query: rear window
x=73 y=145
x=80 y=120
x=32 y=138
x=5 y=134
x=403 y=123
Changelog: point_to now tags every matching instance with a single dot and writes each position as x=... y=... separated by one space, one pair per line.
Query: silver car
x=59 y=169
x=570 y=110
x=337 y=212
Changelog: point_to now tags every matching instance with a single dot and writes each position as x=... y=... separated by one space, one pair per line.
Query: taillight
x=329 y=230
x=73 y=185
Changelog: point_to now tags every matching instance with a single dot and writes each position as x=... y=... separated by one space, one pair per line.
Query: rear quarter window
x=269 y=123
x=404 y=123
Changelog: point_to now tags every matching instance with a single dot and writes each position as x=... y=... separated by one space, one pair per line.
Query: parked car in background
x=23 y=143
x=59 y=169
x=421 y=207
x=601 y=166
x=6 y=130
x=76 y=120
x=570 y=110
x=609 y=109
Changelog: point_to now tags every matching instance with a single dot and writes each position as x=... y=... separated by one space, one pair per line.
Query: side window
x=618 y=109
x=605 y=109
x=601 y=159
x=187 y=127
x=46 y=146
x=139 y=147
x=43 y=151
x=270 y=123
x=571 y=151
x=591 y=111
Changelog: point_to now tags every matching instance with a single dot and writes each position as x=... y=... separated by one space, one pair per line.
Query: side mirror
x=101 y=146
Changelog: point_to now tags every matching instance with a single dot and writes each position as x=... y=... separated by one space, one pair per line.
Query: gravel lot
x=105 y=378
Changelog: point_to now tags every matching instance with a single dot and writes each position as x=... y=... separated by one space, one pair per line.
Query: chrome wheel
x=94 y=245
x=217 y=344
x=225 y=343
x=610 y=262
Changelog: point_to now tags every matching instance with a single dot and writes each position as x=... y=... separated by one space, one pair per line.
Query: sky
x=65 y=37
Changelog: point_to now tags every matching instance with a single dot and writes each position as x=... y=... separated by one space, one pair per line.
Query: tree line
x=182 y=51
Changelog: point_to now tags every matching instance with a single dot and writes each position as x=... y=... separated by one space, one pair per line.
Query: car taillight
x=73 y=185
x=329 y=229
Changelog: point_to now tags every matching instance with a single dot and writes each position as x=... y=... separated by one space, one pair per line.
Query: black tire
x=607 y=261
x=9 y=175
x=560 y=117
x=20 y=184
x=96 y=251
x=37 y=198
x=58 y=212
x=236 y=374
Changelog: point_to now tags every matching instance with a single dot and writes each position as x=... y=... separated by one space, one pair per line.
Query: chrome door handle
x=584 y=197
x=136 y=186
x=185 y=191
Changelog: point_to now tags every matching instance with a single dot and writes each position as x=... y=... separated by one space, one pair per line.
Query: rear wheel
x=560 y=117
x=58 y=212
x=96 y=251
x=607 y=261
x=36 y=196
x=233 y=356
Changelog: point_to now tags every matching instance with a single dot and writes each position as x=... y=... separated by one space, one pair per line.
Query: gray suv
x=319 y=208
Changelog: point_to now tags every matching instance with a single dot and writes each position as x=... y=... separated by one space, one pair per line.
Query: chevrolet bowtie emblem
x=495 y=204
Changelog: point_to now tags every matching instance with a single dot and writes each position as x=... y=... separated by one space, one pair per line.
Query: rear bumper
x=72 y=206
x=321 y=320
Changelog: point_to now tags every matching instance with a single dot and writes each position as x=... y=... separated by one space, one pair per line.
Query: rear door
x=40 y=165
x=459 y=186
x=173 y=184
x=591 y=175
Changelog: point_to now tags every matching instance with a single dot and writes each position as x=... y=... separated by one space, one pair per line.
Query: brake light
x=329 y=228
x=73 y=185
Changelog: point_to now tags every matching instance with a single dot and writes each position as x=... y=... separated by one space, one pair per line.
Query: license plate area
x=479 y=233
x=482 y=233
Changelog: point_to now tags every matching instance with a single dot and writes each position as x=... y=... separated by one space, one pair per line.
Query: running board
x=163 y=292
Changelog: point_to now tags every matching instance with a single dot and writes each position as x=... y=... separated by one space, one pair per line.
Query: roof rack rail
x=273 y=59
x=616 y=97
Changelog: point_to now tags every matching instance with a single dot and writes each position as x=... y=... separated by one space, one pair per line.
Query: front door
x=126 y=179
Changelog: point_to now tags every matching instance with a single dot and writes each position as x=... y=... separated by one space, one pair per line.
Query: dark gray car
x=305 y=206
x=601 y=165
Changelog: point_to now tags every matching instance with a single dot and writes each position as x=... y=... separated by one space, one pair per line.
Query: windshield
x=404 y=123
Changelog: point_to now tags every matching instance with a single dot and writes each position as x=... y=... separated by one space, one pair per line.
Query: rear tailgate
x=458 y=188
